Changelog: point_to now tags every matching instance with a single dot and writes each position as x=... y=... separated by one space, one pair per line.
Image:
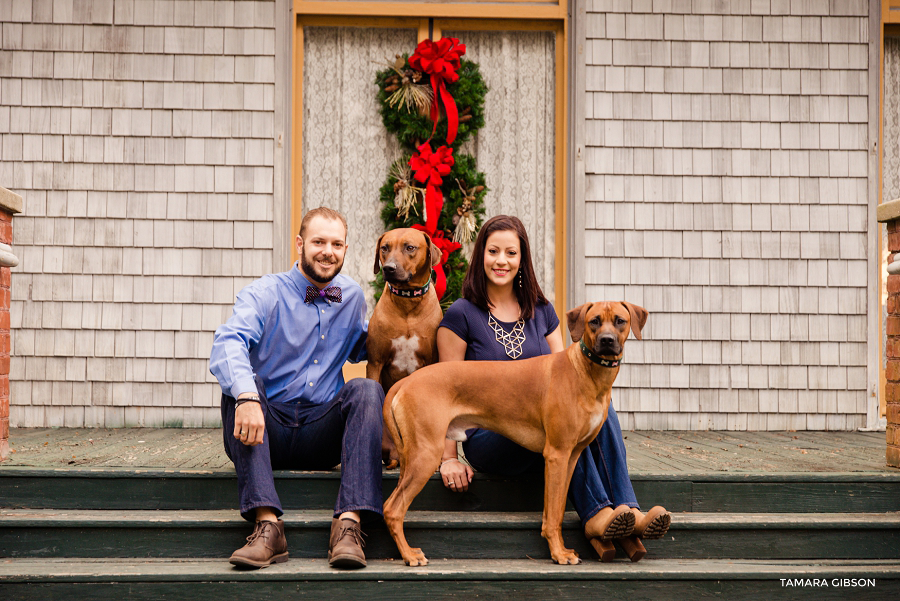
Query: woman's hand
x=456 y=475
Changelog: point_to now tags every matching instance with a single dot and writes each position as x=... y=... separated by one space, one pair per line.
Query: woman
x=503 y=315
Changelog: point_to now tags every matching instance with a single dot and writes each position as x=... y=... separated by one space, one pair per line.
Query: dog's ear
x=575 y=321
x=378 y=255
x=434 y=253
x=638 y=318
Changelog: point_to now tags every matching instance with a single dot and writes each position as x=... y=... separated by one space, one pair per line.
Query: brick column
x=889 y=214
x=9 y=205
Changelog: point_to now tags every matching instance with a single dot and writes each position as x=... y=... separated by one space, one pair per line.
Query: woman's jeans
x=302 y=436
x=600 y=478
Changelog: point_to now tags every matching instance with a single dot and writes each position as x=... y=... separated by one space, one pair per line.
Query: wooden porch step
x=474 y=535
x=138 y=488
x=213 y=579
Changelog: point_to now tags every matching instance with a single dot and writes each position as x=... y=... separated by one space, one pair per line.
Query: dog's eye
x=385 y=248
x=595 y=322
x=619 y=321
x=410 y=248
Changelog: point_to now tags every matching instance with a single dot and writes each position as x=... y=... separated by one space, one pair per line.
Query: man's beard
x=309 y=269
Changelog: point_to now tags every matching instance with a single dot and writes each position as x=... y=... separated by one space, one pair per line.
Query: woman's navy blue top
x=470 y=323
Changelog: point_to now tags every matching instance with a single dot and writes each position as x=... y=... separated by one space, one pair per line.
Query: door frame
x=430 y=19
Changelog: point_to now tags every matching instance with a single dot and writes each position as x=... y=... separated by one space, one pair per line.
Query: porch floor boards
x=649 y=452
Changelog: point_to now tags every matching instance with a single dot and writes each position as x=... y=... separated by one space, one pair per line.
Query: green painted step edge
x=167 y=570
x=224 y=518
x=126 y=472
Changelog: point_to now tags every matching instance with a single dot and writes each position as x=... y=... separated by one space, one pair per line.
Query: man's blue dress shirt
x=296 y=348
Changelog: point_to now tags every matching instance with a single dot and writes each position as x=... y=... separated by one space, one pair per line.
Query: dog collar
x=597 y=358
x=414 y=293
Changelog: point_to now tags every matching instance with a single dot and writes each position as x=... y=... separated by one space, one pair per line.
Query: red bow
x=447 y=246
x=429 y=167
x=441 y=61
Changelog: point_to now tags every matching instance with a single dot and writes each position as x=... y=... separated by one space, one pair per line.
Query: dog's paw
x=568 y=557
x=416 y=558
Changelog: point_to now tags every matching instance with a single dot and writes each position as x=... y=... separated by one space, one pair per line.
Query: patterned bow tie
x=332 y=293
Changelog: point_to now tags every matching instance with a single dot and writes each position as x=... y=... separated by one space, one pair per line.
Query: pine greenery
x=412 y=129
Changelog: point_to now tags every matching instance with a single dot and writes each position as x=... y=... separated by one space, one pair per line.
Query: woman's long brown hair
x=474 y=288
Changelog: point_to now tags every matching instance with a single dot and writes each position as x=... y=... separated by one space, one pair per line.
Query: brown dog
x=553 y=404
x=403 y=329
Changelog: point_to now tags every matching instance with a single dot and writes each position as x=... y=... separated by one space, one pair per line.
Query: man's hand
x=249 y=423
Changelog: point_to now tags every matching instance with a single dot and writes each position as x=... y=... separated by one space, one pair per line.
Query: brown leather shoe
x=267 y=545
x=345 y=549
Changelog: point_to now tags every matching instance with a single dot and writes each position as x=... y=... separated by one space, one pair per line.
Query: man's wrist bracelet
x=248 y=399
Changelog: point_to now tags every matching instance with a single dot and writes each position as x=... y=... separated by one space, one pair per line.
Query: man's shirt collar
x=301 y=281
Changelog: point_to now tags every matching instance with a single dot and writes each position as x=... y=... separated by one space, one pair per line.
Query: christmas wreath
x=433 y=101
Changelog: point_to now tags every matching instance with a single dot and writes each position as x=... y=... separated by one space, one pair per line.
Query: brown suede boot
x=345 y=550
x=609 y=523
x=633 y=547
x=267 y=545
x=653 y=524
x=604 y=548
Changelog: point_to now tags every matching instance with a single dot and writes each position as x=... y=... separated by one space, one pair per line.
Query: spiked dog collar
x=596 y=358
x=414 y=293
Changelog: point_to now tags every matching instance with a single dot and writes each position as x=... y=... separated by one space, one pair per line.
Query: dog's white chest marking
x=596 y=420
x=405 y=353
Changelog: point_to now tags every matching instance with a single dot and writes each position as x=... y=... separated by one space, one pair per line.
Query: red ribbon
x=429 y=167
x=447 y=246
x=440 y=60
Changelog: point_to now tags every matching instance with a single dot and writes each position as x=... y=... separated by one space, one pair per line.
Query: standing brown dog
x=403 y=329
x=553 y=404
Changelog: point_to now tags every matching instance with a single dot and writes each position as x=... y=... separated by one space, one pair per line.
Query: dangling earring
x=519 y=279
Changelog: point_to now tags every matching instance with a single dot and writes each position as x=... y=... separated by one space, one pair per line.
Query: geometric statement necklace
x=511 y=341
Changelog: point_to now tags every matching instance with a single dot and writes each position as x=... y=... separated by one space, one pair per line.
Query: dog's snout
x=389 y=268
x=608 y=340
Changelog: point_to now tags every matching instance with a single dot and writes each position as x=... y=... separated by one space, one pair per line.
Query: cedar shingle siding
x=141 y=135
x=727 y=192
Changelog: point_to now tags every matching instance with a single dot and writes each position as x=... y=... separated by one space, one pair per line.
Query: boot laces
x=356 y=532
x=260 y=531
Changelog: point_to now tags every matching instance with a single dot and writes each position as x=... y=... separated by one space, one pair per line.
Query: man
x=278 y=359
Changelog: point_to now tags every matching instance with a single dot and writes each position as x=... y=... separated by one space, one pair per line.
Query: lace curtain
x=890 y=158
x=347 y=151
x=515 y=148
x=891 y=165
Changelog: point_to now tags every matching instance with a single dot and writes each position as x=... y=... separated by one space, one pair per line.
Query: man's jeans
x=346 y=430
x=600 y=478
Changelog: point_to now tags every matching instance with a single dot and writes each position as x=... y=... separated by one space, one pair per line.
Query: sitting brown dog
x=553 y=404
x=403 y=329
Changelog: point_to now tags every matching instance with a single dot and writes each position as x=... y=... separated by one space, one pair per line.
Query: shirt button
x=315 y=361
x=323 y=336
x=323 y=310
x=310 y=383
